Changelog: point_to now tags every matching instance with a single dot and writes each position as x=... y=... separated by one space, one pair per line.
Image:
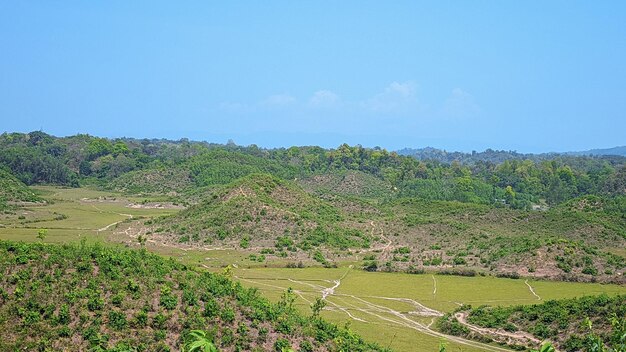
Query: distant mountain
x=489 y=155
x=621 y=151
x=498 y=156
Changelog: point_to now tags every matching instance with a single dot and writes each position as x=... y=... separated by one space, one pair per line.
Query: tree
x=42 y=234
x=318 y=306
x=509 y=195
x=200 y=342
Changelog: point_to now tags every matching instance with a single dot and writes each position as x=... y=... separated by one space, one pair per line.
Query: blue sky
x=530 y=76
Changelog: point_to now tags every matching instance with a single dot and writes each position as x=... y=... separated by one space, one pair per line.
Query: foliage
x=566 y=322
x=103 y=298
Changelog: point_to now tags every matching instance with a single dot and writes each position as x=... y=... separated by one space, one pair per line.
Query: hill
x=348 y=183
x=162 y=180
x=499 y=156
x=94 y=298
x=13 y=190
x=262 y=210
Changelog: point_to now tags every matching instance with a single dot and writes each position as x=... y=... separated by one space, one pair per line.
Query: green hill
x=262 y=210
x=60 y=298
x=163 y=181
x=348 y=183
x=13 y=190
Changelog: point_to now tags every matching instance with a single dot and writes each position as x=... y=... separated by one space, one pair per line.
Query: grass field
x=73 y=214
x=394 y=309
x=397 y=309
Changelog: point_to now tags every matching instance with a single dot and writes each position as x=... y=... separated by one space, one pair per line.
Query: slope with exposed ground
x=60 y=298
x=471 y=238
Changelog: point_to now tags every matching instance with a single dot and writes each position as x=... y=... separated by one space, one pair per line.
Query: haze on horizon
x=532 y=76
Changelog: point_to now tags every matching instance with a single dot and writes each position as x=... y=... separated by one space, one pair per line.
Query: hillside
x=172 y=167
x=568 y=323
x=13 y=190
x=260 y=210
x=348 y=183
x=94 y=298
x=165 y=181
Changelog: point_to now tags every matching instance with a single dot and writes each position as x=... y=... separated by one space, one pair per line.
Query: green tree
x=318 y=306
x=42 y=234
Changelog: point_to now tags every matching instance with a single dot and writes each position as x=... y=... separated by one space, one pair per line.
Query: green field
x=386 y=307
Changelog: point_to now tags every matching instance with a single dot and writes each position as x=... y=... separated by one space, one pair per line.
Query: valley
x=398 y=309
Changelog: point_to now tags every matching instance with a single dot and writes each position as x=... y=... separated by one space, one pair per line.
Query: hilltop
x=260 y=210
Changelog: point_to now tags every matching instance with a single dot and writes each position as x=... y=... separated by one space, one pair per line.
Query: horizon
x=237 y=143
x=454 y=76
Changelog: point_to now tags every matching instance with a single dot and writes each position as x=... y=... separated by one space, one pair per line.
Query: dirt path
x=434 y=286
x=515 y=337
x=331 y=290
x=532 y=290
x=130 y=216
x=383 y=248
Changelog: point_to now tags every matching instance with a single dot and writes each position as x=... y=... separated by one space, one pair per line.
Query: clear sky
x=530 y=76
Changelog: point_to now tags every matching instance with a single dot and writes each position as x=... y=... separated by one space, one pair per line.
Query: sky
x=531 y=76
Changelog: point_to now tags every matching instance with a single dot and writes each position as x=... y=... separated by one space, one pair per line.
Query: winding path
x=532 y=290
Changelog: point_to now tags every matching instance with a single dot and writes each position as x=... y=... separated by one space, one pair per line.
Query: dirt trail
x=383 y=248
x=434 y=286
x=331 y=290
x=130 y=216
x=515 y=337
x=532 y=290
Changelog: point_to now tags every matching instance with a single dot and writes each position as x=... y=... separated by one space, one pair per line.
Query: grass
x=73 y=214
x=452 y=291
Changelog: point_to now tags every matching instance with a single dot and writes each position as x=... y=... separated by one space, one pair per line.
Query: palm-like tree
x=200 y=342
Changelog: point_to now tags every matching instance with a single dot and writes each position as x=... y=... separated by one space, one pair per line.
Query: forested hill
x=181 y=166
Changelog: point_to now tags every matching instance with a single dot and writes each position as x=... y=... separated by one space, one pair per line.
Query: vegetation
x=272 y=211
x=13 y=190
x=105 y=299
x=571 y=324
x=37 y=157
x=486 y=216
